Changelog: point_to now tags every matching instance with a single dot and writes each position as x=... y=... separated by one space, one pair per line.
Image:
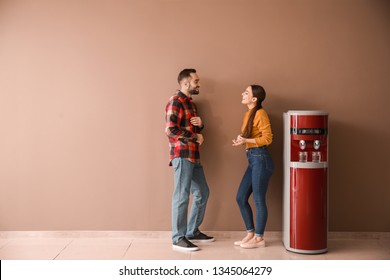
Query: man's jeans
x=188 y=178
x=255 y=180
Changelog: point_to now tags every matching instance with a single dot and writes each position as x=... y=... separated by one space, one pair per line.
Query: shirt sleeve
x=264 y=126
x=174 y=115
x=198 y=128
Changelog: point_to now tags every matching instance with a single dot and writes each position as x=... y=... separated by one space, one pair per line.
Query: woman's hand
x=239 y=141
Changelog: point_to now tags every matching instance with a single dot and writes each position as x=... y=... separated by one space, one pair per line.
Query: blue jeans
x=255 y=181
x=188 y=178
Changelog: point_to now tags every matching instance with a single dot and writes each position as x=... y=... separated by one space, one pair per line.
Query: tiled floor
x=157 y=246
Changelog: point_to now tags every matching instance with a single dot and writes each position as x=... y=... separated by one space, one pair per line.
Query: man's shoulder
x=175 y=99
x=174 y=103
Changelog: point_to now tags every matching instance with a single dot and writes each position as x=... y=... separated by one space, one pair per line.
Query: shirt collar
x=182 y=95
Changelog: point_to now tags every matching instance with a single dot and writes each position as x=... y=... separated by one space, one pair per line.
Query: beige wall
x=84 y=84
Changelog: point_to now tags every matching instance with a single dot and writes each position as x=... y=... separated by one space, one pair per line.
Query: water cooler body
x=305 y=190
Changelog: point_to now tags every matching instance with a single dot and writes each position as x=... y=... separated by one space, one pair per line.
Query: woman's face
x=247 y=97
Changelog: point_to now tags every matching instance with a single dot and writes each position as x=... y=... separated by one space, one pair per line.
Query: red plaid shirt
x=182 y=135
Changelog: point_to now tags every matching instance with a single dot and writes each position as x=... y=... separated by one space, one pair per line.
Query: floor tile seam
x=127 y=249
x=5 y=244
x=63 y=249
x=76 y=246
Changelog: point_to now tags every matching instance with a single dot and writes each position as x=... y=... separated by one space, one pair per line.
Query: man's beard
x=194 y=91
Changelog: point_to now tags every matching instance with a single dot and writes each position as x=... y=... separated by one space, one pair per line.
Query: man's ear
x=186 y=83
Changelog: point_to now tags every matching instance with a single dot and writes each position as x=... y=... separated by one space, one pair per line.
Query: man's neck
x=186 y=93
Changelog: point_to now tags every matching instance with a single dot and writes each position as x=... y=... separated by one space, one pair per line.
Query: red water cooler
x=305 y=190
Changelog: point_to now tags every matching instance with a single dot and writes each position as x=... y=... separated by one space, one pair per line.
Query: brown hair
x=259 y=93
x=185 y=73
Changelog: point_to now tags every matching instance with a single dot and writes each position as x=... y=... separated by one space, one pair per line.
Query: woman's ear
x=254 y=99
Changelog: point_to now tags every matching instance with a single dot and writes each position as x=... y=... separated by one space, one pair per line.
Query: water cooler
x=305 y=189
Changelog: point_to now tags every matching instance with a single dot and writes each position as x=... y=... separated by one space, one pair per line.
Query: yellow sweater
x=261 y=130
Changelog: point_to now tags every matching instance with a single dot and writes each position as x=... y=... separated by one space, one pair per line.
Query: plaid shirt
x=182 y=135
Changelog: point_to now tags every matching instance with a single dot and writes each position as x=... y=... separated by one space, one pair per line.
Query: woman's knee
x=241 y=200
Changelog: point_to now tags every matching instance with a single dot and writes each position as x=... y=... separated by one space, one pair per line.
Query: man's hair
x=185 y=73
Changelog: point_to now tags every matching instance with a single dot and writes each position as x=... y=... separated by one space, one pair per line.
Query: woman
x=256 y=136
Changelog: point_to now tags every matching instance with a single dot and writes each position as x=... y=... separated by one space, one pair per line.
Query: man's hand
x=197 y=121
x=200 y=139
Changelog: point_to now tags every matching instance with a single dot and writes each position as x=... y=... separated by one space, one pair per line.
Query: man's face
x=194 y=84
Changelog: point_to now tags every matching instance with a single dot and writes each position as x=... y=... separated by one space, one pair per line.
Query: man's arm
x=174 y=114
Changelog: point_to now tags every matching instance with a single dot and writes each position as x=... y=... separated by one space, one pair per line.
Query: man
x=183 y=127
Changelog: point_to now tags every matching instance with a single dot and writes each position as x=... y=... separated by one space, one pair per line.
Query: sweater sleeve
x=264 y=126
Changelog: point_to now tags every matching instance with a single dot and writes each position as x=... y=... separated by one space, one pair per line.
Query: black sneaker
x=184 y=244
x=201 y=237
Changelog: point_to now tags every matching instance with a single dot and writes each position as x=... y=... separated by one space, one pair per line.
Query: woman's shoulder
x=261 y=116
x=261 y=113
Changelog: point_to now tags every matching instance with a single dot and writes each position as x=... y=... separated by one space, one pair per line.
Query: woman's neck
x=251 y=106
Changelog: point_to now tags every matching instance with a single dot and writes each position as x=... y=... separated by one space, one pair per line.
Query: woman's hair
x=259 y=93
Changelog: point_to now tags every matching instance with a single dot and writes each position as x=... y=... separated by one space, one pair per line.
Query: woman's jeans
x=188 y=178
x=255 y=181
